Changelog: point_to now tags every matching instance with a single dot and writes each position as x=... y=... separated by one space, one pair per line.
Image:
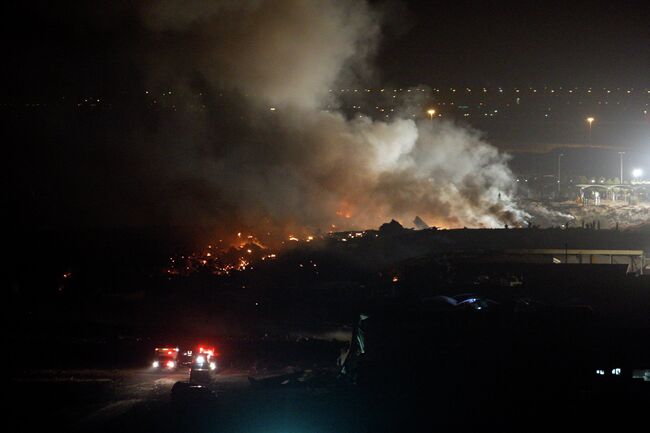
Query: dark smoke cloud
x=268 y=153
x=283 y=52
x=218 y=156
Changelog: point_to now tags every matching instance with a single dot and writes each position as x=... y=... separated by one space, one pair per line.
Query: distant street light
x=431 y=112
x=590 y=120
x=637 y=173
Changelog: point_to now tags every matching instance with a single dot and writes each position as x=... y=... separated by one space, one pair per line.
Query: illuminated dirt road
x=89 y=400
x=140 y=401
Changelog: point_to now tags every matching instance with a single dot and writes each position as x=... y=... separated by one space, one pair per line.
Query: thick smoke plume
x=268 y=151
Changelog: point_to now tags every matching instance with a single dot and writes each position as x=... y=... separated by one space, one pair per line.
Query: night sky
x=521 y=43
x=129 y=164
x=95 y=46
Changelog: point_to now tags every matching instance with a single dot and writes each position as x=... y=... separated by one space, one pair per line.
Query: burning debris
x=221 y=260
x=247 y=251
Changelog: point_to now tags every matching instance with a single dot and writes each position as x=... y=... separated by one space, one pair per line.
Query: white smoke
x=301 y=165
x=278 y=52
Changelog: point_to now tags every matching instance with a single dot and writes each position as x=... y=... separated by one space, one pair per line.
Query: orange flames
x=241 y=252
x=228 y=257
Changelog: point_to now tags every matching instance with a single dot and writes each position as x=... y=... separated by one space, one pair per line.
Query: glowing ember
x=221 y=261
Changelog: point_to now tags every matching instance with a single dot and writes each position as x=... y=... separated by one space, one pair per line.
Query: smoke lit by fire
x=303 y=168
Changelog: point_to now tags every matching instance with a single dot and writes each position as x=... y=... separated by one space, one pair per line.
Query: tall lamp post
x=621 y=156
x=431 y=112
x=590 y=120
x=559 y=173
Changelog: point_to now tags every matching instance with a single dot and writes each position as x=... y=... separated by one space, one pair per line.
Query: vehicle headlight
x=200 y=359
x=155 y=364
x=213 y=366
x=171 y=364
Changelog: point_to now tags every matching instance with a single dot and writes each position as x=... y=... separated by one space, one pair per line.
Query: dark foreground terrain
x=138 y=401
x=404 y=331
x=423 y=368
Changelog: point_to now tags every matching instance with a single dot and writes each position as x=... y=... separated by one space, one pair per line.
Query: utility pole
x=559 y=173
x=621 y=155
x=590 y=120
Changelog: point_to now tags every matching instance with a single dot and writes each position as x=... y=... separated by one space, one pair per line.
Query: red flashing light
x=208 y=351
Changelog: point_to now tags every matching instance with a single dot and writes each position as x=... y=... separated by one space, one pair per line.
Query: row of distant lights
x=636 y=173
x=421 y=90
x=467 y=89
x=485 y=90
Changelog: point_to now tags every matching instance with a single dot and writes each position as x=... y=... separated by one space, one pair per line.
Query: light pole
x=621 y=155
x=559 y=173
x=590 y=120
x=431 y=112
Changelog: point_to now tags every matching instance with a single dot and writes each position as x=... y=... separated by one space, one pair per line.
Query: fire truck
x=204 y=362
x=166 y=358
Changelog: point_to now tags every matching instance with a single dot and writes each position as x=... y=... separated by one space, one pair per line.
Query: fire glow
x=244 y=252
x=238 y=256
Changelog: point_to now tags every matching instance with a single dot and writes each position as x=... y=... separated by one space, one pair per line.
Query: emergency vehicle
x=166 y=358
x=204 y=362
